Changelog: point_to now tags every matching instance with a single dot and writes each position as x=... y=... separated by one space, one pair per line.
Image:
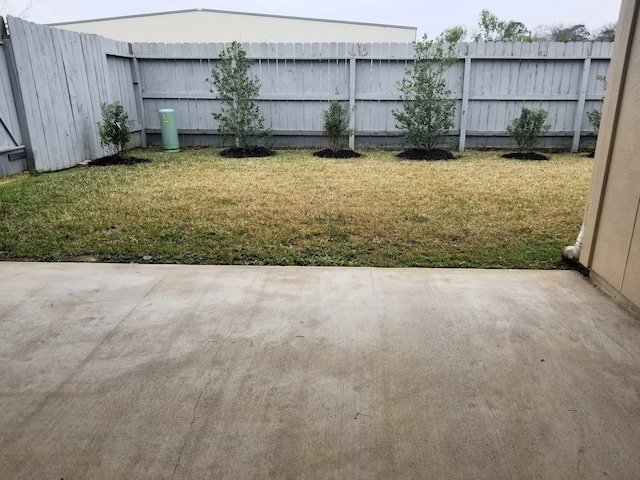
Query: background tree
x=427 y=112
x=240 y=118
x=606 y=33
x=492 y=29
x=575 y=33
x=563 y=33
x=7 y=7
x=455 y=34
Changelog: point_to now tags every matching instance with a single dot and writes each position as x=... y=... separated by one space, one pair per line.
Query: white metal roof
x=209 y=10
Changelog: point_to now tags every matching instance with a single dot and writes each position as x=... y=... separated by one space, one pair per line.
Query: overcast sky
x=429 y=16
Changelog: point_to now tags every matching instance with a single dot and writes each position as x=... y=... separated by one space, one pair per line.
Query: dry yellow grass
x=196 y=207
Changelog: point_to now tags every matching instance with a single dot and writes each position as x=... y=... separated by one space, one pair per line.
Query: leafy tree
x=492 y=29
x=335 y=124
x=240 y=118
x=455 y=34
x=607 y=33
x=526 y=129
x=428 y=112
x=114 y=130
x=573 y=33
x=516 y=32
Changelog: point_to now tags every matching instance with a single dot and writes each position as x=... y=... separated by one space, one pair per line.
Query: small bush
x=114 y=130
x=595 y=117
x=335 y=124
x=526 y=129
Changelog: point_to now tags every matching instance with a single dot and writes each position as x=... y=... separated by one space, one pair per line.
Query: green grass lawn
x=294 y=209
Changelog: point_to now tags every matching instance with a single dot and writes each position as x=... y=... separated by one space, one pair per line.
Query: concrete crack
x=580 y=452
x=195 y=407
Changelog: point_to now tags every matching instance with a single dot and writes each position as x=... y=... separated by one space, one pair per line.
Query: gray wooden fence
x=60 y=80
x=53 y=82
x=491 y=83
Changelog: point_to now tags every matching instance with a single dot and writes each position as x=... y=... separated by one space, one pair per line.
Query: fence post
x=577 y=125
x=352 y=102
x=137 y=90
x=464 y=110
x=18 y=99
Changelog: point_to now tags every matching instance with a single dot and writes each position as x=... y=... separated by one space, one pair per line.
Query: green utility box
x=169 y=130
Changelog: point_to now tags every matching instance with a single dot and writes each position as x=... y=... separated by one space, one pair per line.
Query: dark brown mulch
x=247 y=152
x=422 y=154
x=328 y=153
x=115 y=160
x=525 y=156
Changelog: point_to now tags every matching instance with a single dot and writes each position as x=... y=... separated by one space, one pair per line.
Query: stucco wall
x=612 y=225
x=216 y=26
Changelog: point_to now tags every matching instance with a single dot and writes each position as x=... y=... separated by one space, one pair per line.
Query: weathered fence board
x=12 y=156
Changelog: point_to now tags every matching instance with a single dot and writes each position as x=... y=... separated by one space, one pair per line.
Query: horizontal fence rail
x=53 y=82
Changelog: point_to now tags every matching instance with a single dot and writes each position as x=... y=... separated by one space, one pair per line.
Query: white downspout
x=572 y=252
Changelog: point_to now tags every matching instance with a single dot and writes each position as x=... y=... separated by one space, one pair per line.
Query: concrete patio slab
x=198 y=372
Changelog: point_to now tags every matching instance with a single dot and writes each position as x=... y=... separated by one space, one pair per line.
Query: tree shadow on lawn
x=115 y=160
x=422 y=154
x=343 y=153
x=236 y=152
x=525 y=156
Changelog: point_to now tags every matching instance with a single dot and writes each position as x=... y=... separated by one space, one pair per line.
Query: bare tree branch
x=8 y=7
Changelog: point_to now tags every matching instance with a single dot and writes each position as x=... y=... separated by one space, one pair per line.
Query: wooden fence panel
x=298 y=80
x=64 y=77
x=10 y=135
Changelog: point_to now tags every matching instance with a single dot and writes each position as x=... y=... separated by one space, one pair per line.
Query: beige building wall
x=611 y=247
x=208 y=26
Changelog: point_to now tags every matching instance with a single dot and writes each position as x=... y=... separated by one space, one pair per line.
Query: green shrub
x=526 y=129
x=595 y=117
x=240 y=119
x=335 y=124
x=427 y=112
x=114 y=130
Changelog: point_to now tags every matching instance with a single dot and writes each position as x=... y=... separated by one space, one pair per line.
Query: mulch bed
x=328 y=153
x=525 y=156
x=115 y=160
x=247 y=152
x=422 y=154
